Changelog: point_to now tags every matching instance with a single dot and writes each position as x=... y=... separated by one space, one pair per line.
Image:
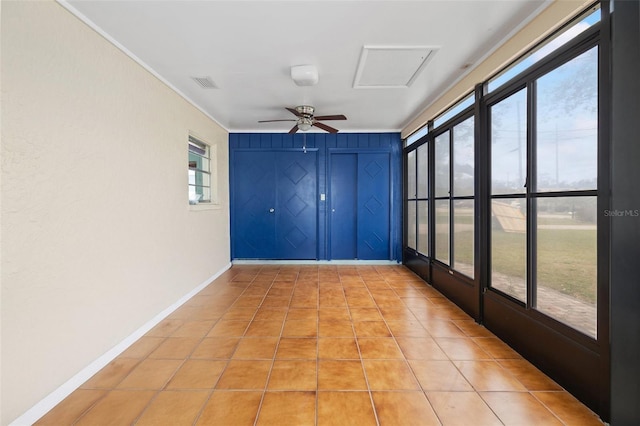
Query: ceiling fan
x=306 y=119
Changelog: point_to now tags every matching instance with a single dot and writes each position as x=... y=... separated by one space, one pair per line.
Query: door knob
x=271 y=210
x=333 y=210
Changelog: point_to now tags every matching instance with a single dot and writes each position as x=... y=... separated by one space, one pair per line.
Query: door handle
x=271 y=210
x=333 y=210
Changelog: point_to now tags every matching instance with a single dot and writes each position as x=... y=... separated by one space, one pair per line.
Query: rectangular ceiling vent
x=391 y=67
x=204 y=82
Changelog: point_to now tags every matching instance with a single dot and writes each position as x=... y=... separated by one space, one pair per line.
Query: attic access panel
x=391 y=66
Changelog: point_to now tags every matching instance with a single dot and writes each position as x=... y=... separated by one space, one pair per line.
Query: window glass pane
x=411 y=224
x=203 y=179
x=193 y=196
x=415 y=137
x=198 y=194
x=463 y=158
x=509 y=144
x=411 y=174
x=454 y=110
x=199 y=171
x=198 y=162
x=423 y=227
x=423 y=171
x=567 y=261
x=463 y=215
x=442 y=165
x=567 y=126
x=442 y=230
x=547 y=48
x=509 y=246
x=206 y=193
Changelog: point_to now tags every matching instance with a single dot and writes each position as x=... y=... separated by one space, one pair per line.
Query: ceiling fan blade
x=331 y=117
x=294 y=112
x=272 y=121
x=325 y=127
x=293 y=129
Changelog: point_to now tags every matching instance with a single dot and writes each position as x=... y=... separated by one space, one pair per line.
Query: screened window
x=454 y=197
x=422 y=204
x=462 y=205
x=544 y=189
x=415 y=137
x=454 y=110
x=199 y=172
x=566 y=183
x=508 y=187
x=417 y=199
x=412 y=238
x=544 y=50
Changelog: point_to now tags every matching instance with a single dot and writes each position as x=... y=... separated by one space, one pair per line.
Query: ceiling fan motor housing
x=305 y=110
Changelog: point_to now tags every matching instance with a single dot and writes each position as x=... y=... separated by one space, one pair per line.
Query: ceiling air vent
x=205 y=82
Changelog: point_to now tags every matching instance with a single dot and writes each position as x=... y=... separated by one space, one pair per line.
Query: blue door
x=296 y=214
x=360 y=208
x=274 y=205
x=373 y=206
x=343 y=206
x=254 y=196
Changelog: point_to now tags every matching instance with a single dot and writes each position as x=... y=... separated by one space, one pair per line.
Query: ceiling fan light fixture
x=304 y=124
x=304 y=75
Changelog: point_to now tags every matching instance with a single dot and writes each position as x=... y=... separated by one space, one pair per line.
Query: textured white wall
x=97 y=235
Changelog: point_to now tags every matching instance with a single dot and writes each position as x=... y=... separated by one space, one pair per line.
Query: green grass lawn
x=567 y=260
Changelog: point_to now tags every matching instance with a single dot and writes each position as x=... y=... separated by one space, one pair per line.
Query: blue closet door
x=254 y=197
x=296 y=212
x=374 y=203
x=343 y=206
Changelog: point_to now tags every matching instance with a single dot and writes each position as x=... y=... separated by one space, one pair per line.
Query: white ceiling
x=248 y=47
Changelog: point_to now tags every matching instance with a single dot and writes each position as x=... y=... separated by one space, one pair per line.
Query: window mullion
x=531 y=185
x=451 y=194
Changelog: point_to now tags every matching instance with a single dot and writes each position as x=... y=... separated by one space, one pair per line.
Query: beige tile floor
x=319 y=345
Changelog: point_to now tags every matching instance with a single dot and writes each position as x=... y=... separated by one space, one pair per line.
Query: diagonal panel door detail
x=373 y=206
x=296 y=200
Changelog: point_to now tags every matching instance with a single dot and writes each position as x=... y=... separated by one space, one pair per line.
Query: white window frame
x=207 y=153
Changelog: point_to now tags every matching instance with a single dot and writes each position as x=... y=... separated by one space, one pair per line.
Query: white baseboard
x=313 y=262
x=54 y=398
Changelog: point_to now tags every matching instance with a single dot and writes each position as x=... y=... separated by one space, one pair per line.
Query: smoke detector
x=304 y=75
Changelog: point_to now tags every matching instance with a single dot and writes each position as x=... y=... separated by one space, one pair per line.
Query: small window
x=455 y=109
x=561 y=38
x=199 y=172
x=414 y=137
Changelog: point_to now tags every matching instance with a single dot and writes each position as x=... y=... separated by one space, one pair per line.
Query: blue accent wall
x=324 y=144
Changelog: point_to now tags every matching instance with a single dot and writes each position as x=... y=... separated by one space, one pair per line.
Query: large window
x=462 y=200
x=412 y=195
x=454 y=196
x=508 y=195
x=199 y=172
x=442 y=193
x=517 y=206
x=418 y=199
x=423 y=198
x=539 y=204
x=544 y=174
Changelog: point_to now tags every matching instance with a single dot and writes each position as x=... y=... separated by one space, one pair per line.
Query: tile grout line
x=273 y=360
x=364 y=370
x=188 y=357
x=213 y=388
x=404 y=357
x=302 y=281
